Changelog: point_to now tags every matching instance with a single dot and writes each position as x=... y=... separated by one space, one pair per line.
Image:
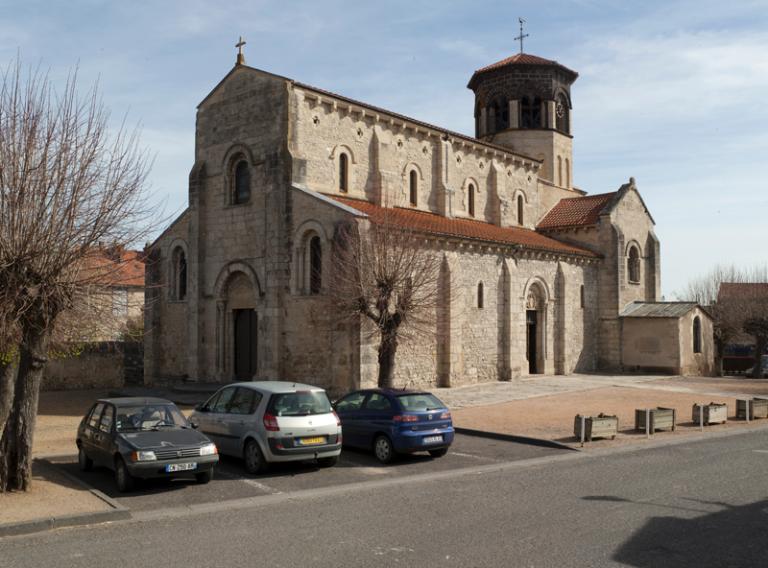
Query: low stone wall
x=98 y=365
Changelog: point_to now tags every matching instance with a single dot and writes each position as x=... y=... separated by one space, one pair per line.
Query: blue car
x=391 y=422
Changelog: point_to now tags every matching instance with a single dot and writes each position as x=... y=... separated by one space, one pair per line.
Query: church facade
x=537 y=272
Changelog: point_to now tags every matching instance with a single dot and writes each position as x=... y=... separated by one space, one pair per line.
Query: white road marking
x=463 y=455
x=252 y=482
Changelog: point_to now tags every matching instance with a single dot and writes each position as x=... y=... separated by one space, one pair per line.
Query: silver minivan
x=271 y=421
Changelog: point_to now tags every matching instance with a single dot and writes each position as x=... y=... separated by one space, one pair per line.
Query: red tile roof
x=522 y=59
x=431 y=223
x=576 y=211
x=116 y=268
x=743 y=290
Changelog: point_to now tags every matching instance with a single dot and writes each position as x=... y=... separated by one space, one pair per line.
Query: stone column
x=514 y=114
x=550 y=116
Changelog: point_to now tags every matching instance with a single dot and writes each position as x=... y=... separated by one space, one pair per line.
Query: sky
x=673 y=93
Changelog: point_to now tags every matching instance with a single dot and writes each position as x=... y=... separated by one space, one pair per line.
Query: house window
x=242 y=192
x=315 y=265
x=633 y=265
x=480 y=299
x=343 y=173
x=520 y=210
x=414 y=181
x=471 y=200
x=179 y=271
x=697 y=334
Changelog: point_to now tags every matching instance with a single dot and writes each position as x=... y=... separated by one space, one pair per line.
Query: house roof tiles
x=431 y=223
x=576 y=211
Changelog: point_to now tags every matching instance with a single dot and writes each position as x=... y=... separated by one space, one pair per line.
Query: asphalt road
x=232 y=482
x=697 y=503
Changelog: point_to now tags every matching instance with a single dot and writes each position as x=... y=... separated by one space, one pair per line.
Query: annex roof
x=657 y=309
x=434 y=224
x=577 y=211
x=522 y=59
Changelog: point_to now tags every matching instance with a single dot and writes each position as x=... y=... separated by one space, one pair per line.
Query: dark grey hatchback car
x=143 y=438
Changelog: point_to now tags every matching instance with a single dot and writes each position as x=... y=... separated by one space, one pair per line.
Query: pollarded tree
x=388 y=275
x=66 y=185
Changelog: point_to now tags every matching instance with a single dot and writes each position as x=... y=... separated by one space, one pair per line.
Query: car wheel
x=125 y=481
x=85 y=463
x=254 y=459
x=383 y=449
x=328 y=462
x=204 y=477
x=438 y=453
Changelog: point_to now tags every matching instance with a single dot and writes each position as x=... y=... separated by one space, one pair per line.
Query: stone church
x=540 y=278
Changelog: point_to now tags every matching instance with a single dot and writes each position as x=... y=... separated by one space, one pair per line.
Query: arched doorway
x=535 y=304
x=238 y=328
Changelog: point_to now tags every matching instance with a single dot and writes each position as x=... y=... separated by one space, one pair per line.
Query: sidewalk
x=544 y=407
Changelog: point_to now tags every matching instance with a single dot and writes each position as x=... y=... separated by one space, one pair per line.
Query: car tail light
x=270 y=422
x=445 y=416
x=338 y=420
x=405 y=418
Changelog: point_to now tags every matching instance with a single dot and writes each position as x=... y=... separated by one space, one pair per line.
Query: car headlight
x=143 y=456
x=208 y=450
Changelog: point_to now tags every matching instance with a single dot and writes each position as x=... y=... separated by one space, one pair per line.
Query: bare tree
x=66 y=185
x=389 y=275
x=730 y=312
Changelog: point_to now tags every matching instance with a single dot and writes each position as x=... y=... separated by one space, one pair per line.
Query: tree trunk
x=7 y=383
x=16 y=441
x=387 y=351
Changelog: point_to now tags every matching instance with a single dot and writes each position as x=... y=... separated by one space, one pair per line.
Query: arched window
x=501 y=110
x=343 y=173
x=530 y=112
x=560 y=171
x=471 y=200
x=414 y=187
x=519 y=209
x=567 y=173
x=480 y=299
x=562 y=114
x=179 y=259
x=581 y=296
x=697 y=335
x=315 y=265
x=242 y=193
x=633 y=265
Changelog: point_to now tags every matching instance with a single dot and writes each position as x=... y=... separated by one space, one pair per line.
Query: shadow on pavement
x=733 y=536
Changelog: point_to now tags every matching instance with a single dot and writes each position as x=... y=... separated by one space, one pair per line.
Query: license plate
x=432 y=439
x=171 y=467
x=314 y=440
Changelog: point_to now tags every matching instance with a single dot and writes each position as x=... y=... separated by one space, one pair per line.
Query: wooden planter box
x=758 y=408
x=601 y=426
x=660 y=419
x=714 y=413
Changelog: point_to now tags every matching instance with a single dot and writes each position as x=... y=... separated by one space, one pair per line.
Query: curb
x=512 y=438
x=117 y=512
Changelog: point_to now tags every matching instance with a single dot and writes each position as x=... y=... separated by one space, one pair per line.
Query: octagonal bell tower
x=523 y=102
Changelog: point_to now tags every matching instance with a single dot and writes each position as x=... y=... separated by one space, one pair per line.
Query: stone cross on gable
x=240 y=57
x=522 y=36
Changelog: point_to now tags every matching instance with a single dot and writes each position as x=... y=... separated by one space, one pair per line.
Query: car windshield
x=149 y=417
x=300 y=404
x=420 y=401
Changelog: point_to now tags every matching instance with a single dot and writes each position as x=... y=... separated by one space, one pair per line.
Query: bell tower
x=523 y=102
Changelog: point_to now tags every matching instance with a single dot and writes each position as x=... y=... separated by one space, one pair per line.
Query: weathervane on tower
x=522 y=36
x=240 y=57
